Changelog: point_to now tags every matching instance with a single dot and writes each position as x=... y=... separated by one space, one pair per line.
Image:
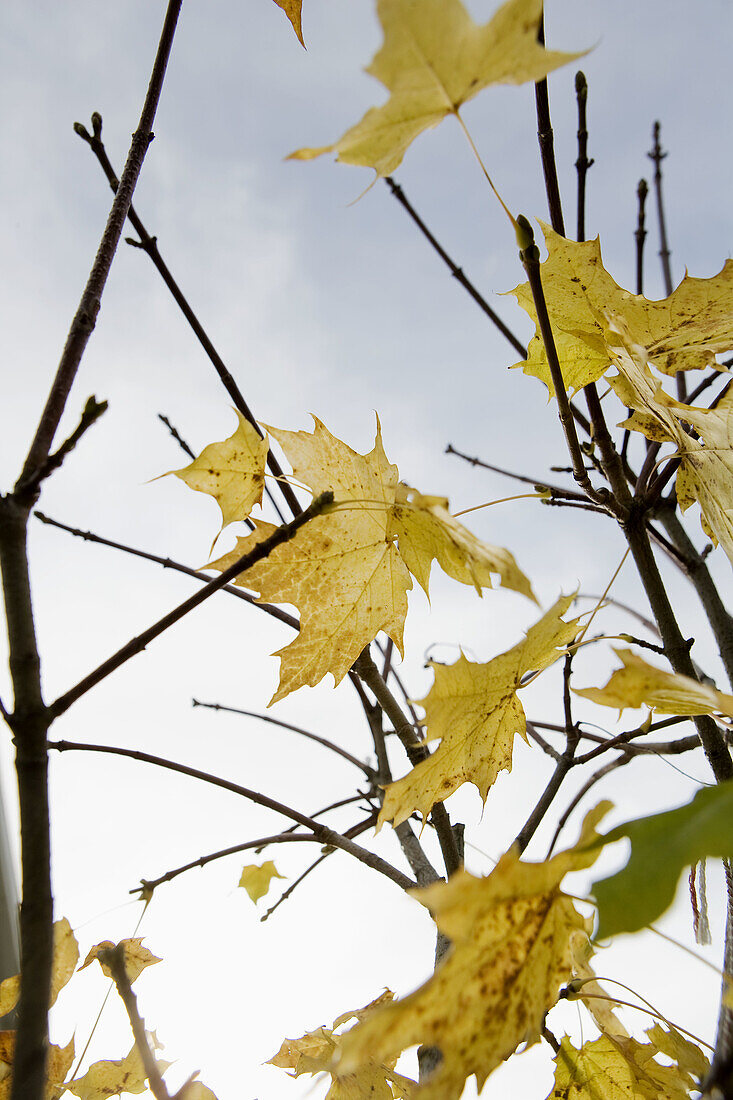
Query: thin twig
x=320 y=832
x=174 y=432
x=556 y=490
x=456 y=271
x=168 y=563
x=90 y=415
x=138 y=644
x=640 y=234
x=149 y=245
x=365 y=768
x=547 y=145
x=84 y=320
x=114 y=958
x=619 y=762
x=658 y=156
x=416 y=752
x=582 y=164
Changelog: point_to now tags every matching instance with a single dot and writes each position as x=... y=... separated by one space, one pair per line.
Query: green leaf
x=662 y=845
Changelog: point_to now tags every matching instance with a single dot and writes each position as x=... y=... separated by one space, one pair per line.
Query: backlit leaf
x=317 y=1052
x=434 y=59
x=110 y=1078
x=681 y=332
x=344 y=570
x=598 y=1071
x=475 y=710
x=662 y=846
x=640 y=684
x=256 y=879
x=510 y=955
x=137 y=957
x=233 y=472
x=292 y=9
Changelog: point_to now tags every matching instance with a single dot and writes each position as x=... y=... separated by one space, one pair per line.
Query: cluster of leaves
x=517 y=942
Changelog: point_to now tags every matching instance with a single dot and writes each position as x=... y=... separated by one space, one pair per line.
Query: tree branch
x=138 y=644
x=321 y=832
x=365 y=768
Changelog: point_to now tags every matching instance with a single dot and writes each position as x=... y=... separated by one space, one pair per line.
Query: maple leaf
x=58 y=1064
x=344 y=571
x=65 y=958
x=681 y=332
x=705 y=474
x=433 y=60
x=232 y=472
x=110 y=1078
x=662 y=845
x=256 y=879
x=292 y=9
x=475 y=710
x=639 y=683
x=136 y=957
x=595 y=998
x=598 y=1070
x=316 y=1052
x=510 y=935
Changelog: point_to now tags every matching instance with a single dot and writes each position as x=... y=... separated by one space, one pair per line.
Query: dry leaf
x=256 y=879
x=475 y=710
x=344 y=570
x=137 y=957
x=232 y=472
x=510 y=955
x=110 y=1078
x=434 y=59
x=640 y=684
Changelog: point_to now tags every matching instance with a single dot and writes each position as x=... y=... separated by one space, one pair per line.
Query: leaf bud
x=524 y=232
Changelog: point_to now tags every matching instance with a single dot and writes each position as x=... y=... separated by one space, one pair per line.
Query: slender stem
x=138 y=644
x=619 y=762
x=179 y=440
x=368 y=772
x=456 y=271
x=531 y=261
x=168 y=563
x=658 y=156
x=676 y=648
x=642 y=191
x=557 y=490
x=582 y=164
x=149 y=245
x=321 y=832
x=416 y=752
x=288 y=837
x=85 y=318
x=720 y=619
x=547 y=145
x=114 y=958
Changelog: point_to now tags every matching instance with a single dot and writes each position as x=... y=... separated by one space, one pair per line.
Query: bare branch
x=138 y=644
x=320 y=832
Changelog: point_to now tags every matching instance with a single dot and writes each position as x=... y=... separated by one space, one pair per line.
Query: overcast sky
x=317 y=304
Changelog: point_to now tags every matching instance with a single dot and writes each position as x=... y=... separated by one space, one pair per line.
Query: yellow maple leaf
x=65 y=958
x=292 y=9
x=705 y=473
x=433 y=60
x=427 y=532
x=232 y=472
x=137 y=957
x=595 y=998
x=640 y=684
x=110 y=1078
x=58 y=1064
x=475 y=710
x=510 y=955
x=598 y=1071
x=681 y=332
x=344 y=570
x=256 y=879
x=317 y=1051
